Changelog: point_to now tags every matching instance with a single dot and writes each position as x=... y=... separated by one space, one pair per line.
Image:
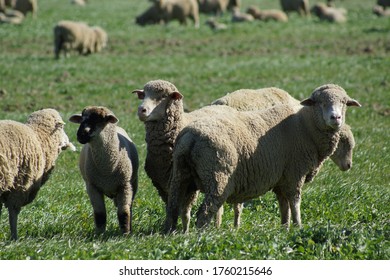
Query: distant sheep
x=234 y=156
x=71 y=35
x=108 y=164
x=267 y=15
x=12 y=17
x=300 y=6
x=79 y=2
x=238 y=16
x=380 y=11
x=178 y=10
x=150 y=16
x=26 y=6
x=331 y=14
x=215 y=25
x=27 y=157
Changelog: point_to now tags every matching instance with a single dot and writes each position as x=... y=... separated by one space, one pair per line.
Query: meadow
x=345 y=215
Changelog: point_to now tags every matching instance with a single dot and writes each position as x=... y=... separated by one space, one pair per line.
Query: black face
x=89 y=127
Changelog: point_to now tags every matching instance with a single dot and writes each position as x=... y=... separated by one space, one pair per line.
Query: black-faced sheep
x=234 y=156
x=71 y=35
x=300 y=6
x=108 y=164
x=27 y=157
x=178 y=10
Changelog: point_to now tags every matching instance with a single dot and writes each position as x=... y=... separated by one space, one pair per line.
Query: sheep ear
x=308 y=102
x=176 y=95
x=112 y=119
x=76 y=118
x=140 y=93
x=353 y=102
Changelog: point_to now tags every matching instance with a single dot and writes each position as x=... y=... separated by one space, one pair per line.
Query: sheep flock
x=236 y=148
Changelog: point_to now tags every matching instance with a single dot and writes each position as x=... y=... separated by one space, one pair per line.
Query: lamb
x=71 y=35
x=331 y=14
x=300 y=6
x=26 y=6
x=178 y=10
x=267 y=15
x=27 y=158
x=108 y=164
x=234 y=156
x=150 y=16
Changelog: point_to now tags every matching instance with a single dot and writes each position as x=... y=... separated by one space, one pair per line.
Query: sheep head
x=157 y=96
x=92 y=120
x=330 y=101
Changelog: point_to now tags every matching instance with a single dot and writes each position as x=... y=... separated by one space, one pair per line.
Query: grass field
x=345 y=215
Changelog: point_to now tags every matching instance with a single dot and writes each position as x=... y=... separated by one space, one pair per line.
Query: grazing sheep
x=300 y=6
x=26 y=6
x=267 y=15
x=238 y=16
x=234 y=156
x=71 y=35
x=178 y=10
x=108 y=164
x=331 y=14
x=79 y=2
x=216 y=7
x=27 y=157
x=150 y=16
x=12 y=17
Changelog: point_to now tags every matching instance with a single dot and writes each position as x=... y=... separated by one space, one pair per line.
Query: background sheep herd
x=206 y=49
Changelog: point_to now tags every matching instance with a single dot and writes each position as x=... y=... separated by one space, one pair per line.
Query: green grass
x=345 y=214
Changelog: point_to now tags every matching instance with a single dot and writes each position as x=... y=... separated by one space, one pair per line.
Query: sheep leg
x=99 y=209
x=284 y=208
x=295 y=205
x=124 y=206
x=13 y=213
x=237 y=214
x=218 y=217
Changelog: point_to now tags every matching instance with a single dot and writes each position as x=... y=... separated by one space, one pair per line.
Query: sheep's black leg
x=13 y=221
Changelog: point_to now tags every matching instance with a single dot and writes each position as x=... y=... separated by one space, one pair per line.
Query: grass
x=345 y=214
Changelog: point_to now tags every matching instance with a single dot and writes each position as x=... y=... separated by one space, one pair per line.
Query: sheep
x=255 y=99
x=234 y=156
x=108 y=164
x=11 y=16
x=215 y=7
x=150 y=16
x=179 y=10
x=238 y=16
x=27 y=158
x=331 y=14
x=26 y=6
x=71 y=35
x=300 y=6
x=267 y=15
x=79 y=2
x=215 y=25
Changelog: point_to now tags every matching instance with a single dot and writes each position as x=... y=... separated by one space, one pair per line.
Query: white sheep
x=12 y=17
x=380 y=11
x=267 y=15
x=71 y=35
x=78 y=2
x=215 y=25
x=331 y=14
x=300 y=6
x=27 y=157
x=108 y=164
x=178 y=10
x=235 y=156
x=238 y=16
x=26 y=6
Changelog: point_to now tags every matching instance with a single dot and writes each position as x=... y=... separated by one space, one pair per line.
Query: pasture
x=345 y=215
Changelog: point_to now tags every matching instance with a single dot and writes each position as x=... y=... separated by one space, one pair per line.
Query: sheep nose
x=336 y=117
